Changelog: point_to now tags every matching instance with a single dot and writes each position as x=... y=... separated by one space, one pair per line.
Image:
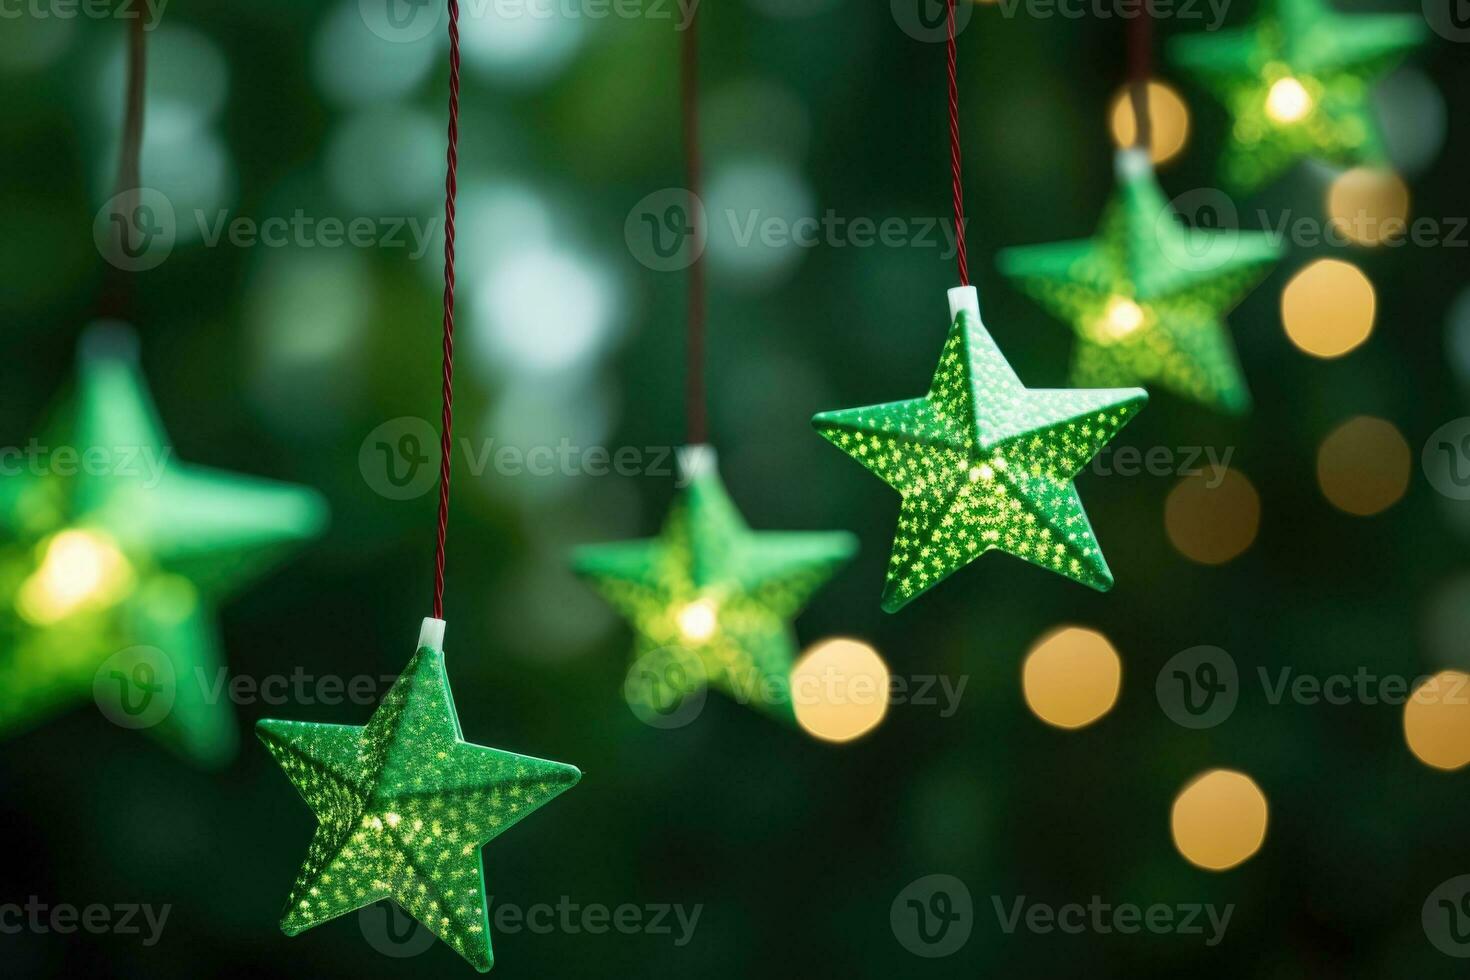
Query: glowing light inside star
x=1122 y=317
x=79 y=570
x=1288 y=101
x=698 y=620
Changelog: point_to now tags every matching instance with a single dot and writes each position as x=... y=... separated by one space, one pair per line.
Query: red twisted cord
x=954 y=155
x=1140 y=58
x=695 y=408
x=451 y=187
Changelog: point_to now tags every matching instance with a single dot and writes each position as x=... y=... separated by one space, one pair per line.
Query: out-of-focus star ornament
x=112 y=555
x=404 y=805
x=1298 y=83
x=710 y=601
x=1146 y=296
x=983 y=462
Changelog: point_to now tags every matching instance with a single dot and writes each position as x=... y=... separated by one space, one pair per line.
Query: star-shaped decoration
x=404 y=806
x=983 y=462
x=1297 y=82
x=1146 y=296
x=112 y=555
x=710 y=600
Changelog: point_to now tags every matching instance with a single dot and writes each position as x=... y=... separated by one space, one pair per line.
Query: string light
x=1437 y=720
x=1288 y=101
x=1212 y=517
x=1328 y=308
x=1219 y=819
x=1071 y=677
x=1369 y=205
x=80 y=570
x=1363 y=466
x=840 y=690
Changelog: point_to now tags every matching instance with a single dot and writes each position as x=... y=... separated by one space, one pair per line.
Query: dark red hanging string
x=954 y=154
x=695 y=406
x=116 y=290
x=451 y=187
x=1140 y=67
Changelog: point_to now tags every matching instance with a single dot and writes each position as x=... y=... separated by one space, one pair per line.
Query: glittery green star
x=710 y=600
x=112 y=554
x=1147 y=297
x=983 y=462
x=1297 y=82
x=404 y=806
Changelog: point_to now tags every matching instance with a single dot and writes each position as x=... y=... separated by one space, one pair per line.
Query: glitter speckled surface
x=404 y=806
x=1336 y=59
x=983 y=462
x=746 y=585
x=1180 y=282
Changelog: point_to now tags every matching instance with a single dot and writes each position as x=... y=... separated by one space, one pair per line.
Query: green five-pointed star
x=1297 y=82
x=404 y=806
x=112 y=554
x=983 y=462
x=710 y=600
x=1146 y=297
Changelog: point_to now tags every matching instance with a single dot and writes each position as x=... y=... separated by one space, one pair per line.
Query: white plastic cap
x=1133 y=161
x=697 y=460
x=431 y=634
x=964 y=298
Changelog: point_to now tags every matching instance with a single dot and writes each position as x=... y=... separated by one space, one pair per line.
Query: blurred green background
x=279 y=362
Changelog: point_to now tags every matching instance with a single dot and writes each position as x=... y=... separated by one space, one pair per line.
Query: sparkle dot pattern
x=754 y=583
x=1182 y=281
x=403 y=807
x=1335 y=58
x=984 y=463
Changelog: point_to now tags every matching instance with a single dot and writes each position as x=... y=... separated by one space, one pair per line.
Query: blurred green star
x=710 y=600
x=1146 y=296
x=1298 y=83
x=112 y=554
x=983 y=462
x=404 y=806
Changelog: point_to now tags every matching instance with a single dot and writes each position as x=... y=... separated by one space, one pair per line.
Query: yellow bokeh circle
x=1363 y=466
x=1212 y=516
x=1071 y=677
x=840 y=690
x=1368 y=205
x=1437 y=720
x=1168 y=118
x=1219 y=819
x=1328 y=308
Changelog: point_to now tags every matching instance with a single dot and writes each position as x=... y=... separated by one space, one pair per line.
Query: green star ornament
x=404 y=806
x=983 y=462
x=1146 y=296
x=1297 y=82
x=112 y=555
x=710 y=600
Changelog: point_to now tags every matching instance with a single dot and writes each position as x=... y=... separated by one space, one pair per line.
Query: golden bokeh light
x=1122 y=317
x=79 y=570
x=1328 y=308
x=1437 y=720
x=1363 y=466
x=1212 y=516
x=1219 y=819
x=697 y=620
x=1071 y=677
x=1288 y=101
x=840 y=690
x=1369 y=205
x=1168 y=118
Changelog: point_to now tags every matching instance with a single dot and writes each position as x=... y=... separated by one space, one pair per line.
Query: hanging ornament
x=709 y=600
x=981 y=461
x=113 y=553
x=120 y=564
x=1298 y=83
x=1146 y=296
x=405 y=804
